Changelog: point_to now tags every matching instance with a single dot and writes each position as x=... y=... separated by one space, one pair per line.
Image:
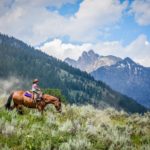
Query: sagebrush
x=77 y=128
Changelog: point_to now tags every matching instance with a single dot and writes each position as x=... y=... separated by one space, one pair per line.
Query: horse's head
x=53 y=100
x=58 y=105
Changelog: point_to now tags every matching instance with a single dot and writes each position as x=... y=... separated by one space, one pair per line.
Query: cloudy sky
x=66 y=28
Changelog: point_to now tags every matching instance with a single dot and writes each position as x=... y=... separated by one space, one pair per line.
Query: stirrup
x=38 y=100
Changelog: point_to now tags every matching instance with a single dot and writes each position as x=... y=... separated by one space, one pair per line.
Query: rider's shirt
x=35 y=87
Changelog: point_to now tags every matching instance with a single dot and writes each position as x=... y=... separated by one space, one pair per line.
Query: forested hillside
x=24 y=62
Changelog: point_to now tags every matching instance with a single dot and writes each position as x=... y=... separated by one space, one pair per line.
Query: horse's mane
x=53 y=96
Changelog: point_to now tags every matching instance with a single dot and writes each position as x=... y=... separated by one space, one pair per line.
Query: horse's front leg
x=40 y=109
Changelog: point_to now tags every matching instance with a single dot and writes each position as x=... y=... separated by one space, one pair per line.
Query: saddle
x=32 y=95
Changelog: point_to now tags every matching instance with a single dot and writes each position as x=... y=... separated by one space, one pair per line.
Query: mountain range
x=26 y=63
x=90 y=61
x=123 y=75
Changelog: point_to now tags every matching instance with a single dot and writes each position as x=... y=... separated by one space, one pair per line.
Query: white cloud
x=31 y=22
x=63 y=50
x=88 y=23
x=138 y=50
x=141 y=9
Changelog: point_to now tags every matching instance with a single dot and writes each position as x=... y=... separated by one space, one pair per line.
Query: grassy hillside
x=79 y=127
x=25 y=63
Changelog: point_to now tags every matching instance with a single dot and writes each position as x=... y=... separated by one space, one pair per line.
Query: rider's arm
x=38 y=88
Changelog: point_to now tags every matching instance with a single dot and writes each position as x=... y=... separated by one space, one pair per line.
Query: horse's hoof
x=20 y=112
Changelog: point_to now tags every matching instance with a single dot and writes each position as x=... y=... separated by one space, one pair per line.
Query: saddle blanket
x=27 y=94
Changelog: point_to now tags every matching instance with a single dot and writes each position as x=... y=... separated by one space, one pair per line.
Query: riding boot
x=38 y=98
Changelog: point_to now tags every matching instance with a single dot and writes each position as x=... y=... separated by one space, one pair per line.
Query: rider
x=36 y=90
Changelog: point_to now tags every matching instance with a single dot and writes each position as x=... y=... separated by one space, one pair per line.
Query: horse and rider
x=34 y=99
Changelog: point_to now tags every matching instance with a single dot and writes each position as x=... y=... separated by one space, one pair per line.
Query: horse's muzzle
x=59 y=111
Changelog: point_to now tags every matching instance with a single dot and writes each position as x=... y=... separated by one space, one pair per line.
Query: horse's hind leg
x=19 y=110
x=12 y=107
x=18 y=107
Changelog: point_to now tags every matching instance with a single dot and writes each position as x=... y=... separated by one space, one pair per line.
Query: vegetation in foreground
x=77 y=128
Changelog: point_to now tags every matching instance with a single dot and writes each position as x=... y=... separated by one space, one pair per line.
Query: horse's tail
x=8 y=103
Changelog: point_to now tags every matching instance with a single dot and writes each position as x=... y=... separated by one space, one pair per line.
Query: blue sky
x=128 y=30
x=66 y=28
x=67 y=9
x=126 y=25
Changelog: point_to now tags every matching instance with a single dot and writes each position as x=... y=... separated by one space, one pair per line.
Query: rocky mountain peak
x=92 y=53
x=129 y=60
x=128 y=63
x=88 y=56
x=90 y=61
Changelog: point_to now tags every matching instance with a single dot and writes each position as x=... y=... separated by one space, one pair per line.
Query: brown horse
x=19 y=100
